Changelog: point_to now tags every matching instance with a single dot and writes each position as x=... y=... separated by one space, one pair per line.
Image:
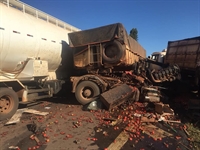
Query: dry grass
x=194 y=135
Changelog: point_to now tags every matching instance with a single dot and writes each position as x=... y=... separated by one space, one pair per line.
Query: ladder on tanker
x=95 y=55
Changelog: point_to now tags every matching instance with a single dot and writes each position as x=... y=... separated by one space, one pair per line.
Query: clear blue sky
x=157 y=21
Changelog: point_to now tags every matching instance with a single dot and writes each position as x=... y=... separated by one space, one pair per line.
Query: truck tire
x=112 y=52
x=87 y=91
x=9 y=103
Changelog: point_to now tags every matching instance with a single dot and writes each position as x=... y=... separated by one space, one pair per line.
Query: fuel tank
x=27 y=33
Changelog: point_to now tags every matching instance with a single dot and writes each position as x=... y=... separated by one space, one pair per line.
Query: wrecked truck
x=184 y=53
x=108 y=58
x=33 y=50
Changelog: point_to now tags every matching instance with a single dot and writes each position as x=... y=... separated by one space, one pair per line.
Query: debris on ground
x=150 y=94
x=119 y=142
x=14 y=147
x=16 y=117
x=155 y=132
x=94 y=105
x=145 y=125
x=36 y=112
x=47 y=107
x=32 y=127
x=162 y=118
x=161 y=108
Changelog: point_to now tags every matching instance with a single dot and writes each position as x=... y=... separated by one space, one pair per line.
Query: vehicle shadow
x=65 y=96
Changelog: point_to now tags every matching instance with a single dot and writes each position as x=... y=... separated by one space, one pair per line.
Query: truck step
x=37 y=90
x=35 y=93
x=33 y=97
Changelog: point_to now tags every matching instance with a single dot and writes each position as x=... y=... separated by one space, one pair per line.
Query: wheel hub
x=4 y=104
x=87 y=92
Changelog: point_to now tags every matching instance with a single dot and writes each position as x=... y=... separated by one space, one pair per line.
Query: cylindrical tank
x=24 y=36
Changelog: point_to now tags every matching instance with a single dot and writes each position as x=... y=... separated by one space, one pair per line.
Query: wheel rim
x=86 y=92
x=6 y=104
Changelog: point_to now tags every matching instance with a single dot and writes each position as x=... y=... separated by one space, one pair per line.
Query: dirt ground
x=69 y=126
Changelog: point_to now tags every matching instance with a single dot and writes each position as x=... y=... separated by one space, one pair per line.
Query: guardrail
x=38 y=14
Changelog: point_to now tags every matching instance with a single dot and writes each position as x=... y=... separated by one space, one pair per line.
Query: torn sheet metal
x=16 y=117
x=32 y=111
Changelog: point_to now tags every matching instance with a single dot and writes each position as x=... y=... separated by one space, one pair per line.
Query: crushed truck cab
x=106 y=58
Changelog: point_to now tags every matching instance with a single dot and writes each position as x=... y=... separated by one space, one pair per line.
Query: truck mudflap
x=170 y=74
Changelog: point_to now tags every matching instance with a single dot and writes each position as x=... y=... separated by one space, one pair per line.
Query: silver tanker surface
x=24 y=36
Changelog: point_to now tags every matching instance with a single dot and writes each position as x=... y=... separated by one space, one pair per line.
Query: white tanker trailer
x=31 y=44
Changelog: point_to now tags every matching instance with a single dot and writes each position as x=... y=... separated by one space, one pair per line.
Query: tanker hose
x=7 y=75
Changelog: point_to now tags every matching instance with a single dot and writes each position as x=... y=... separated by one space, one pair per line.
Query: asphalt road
x=69 y=127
